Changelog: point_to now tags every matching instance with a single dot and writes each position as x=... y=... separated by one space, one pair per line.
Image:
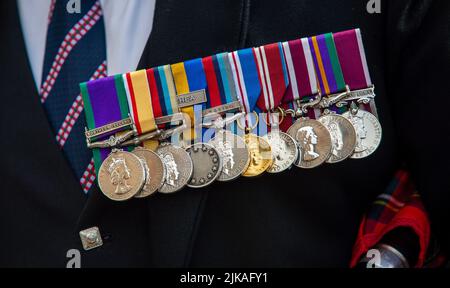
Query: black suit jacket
x=299 y=218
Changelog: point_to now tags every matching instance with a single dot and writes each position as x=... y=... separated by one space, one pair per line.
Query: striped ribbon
x=272 y=75
x=326 y=62
x=163 y=93
x=351 y=53
x=245 y=75
x=140 y=102
x=301 y=70
x=189 y=76
x=105 y=102
x=350 y=50
x=302 y=75
x=221 y=89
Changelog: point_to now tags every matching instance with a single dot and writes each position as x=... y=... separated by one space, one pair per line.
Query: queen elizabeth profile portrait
x=119 y=175
x=361 y=133
x=307 y=140
x=172 y=169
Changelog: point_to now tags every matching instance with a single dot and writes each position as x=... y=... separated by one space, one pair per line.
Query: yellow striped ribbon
x=182 y=87
x=142 y=108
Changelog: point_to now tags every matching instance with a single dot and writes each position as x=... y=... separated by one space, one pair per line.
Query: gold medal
x=260 y=155
x=155 y=171
x=121 y=176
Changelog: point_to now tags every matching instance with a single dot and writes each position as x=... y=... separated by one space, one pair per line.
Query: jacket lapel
x=177 y=35
x=26 y=133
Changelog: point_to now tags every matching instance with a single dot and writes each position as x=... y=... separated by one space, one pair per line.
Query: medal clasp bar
x=220 y=123
x=222 y=109
x=332 y=99
x=310 y=104
x=362 y=96
x=109 y=128
x=111 y=142
x=160 y=134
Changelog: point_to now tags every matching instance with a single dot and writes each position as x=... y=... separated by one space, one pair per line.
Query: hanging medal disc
x=155 y=171
x=178 y=165
x=207 y=164
x=260 y=155
x=314 y=142
x=121 y=176
x=284 y=150
x=368 y=132
x=343 y=136
x=234 y=153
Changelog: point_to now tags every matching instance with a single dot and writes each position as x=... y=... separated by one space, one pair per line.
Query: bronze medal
x=155 y=171
x=121 y=176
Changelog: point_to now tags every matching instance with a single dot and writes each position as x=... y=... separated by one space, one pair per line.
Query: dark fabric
x=296 y=219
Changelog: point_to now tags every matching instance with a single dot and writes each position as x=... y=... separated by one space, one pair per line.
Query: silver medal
x=368 y=132
x=178 y=166
x=314 y=142
x=207 y=164
x=234 y=153
x=343 y=136
x=284 y=151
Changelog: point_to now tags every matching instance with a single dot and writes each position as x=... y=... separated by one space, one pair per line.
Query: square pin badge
x=91 y=238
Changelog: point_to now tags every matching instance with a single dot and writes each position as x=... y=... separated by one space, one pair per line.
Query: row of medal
x=307 y=143
x=328 y=128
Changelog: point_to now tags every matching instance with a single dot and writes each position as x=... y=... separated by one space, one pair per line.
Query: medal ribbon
x=245 y=75
x=221 y=89
x=221 y=86
x=352 y=55
x=105 y=102
x=301 y=70
x=189 y=76
x=272 y=74
x=326 y=62
x=302 y=75
x=139 y=100
x=162 y=89
x=353 y=60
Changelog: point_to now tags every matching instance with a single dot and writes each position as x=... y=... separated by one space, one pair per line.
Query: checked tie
x=75 y=52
